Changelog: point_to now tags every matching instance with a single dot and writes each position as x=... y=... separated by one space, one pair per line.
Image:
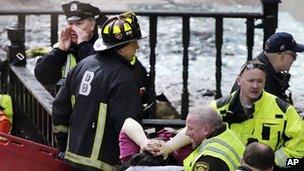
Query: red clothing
x=5 y=124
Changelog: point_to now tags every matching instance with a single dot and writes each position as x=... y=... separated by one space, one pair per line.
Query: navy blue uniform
x=91 y=107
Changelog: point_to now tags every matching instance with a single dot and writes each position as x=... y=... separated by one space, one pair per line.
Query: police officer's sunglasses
x=251 y=66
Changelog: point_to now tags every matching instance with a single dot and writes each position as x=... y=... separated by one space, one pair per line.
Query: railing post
x=185 y=94
x=250 y=37
x=16 y=51
x=218 y=60
x=270 y=21
x=152 y=42
x=21 y=19
x=54 y=29
x=4 y=72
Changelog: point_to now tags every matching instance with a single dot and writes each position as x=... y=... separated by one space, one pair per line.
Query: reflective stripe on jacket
x=71 y=63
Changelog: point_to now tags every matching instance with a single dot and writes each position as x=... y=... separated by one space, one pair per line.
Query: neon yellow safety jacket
x=273 y=122
x=6 y=103
x=71 y=63
x=226 y=146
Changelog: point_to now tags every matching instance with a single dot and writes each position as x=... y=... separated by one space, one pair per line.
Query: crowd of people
x=98 y=110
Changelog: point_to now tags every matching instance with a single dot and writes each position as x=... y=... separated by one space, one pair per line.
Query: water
x=169 y=52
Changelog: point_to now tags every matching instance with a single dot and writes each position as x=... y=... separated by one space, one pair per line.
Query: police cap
x=75 y=11
x=282 y=41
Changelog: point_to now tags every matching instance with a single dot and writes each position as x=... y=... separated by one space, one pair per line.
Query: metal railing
x=33 y=100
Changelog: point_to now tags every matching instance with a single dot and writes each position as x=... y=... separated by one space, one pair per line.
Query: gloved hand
x=60 y=155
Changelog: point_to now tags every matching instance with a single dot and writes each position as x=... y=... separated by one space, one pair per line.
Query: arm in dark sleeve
x=209 y=163
x=62 y=109
x=48 y=68
x=84 y=49
x=124 y=99
x=143 y=81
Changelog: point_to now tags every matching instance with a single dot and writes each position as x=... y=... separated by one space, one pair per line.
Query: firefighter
x=279 y=54
x=99 y=98
x=75 y=42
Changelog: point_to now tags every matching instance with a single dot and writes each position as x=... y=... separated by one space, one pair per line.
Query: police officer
x=216 y=146
x=278 y=56
x=256 y=115
x=75 y=42
x=98 y=97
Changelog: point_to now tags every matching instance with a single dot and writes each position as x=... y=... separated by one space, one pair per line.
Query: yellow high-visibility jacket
x=273 y=122
x=226 y=146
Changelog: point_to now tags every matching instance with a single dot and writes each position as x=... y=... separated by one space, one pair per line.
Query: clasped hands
x=156 y=147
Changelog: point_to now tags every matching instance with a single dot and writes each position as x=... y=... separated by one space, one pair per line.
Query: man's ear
x=93 y=23
x=281 y=57
x=238 y=80
x=208 y=129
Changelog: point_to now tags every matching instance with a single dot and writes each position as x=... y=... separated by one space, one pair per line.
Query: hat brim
x=299 y=48
x=99 y=45
x=74 y=18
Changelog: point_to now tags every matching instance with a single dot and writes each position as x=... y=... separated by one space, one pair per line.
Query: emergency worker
x=256 y=115
x=75 y=42
x=99 y=98
x=216 y=146
x=279 y=54
x=257 y=157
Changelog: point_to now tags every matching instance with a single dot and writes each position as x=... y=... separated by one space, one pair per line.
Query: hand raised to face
x=81 y=34
x=64 y=39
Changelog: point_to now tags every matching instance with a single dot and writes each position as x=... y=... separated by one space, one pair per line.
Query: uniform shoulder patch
x=201 y=166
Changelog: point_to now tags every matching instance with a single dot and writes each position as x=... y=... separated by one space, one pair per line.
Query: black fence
x=34 y=101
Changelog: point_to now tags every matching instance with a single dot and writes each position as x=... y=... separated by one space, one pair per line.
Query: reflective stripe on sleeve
x=280 y=158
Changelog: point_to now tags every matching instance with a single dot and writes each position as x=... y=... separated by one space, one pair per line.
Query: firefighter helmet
x=118 y=30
